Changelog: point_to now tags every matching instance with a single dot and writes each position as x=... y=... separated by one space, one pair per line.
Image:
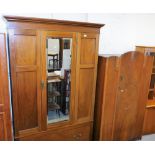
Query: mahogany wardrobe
x=53 y=75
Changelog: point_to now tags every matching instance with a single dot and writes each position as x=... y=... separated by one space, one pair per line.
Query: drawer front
x=76 y=134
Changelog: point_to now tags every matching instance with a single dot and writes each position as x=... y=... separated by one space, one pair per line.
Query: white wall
x=121 y=31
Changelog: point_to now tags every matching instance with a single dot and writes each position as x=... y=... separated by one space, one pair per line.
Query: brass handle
x=74 y=136
x=77 y=137
x=42 y=84
x=79 y=134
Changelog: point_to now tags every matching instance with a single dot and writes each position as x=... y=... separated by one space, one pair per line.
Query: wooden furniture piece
x=53 y=95
x=122 y=84
x=149 y=119
x=5 y=116
x=27 y=44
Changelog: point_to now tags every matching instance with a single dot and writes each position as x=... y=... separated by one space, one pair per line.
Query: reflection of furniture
x=53 y=93
x=5 y=114
x=65 y=107
x=54 y=59
x=54 y=107
x=28 y=60
x=149 y=121
x=120 y=97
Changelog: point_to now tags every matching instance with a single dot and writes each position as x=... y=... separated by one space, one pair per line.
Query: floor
x=148 y=138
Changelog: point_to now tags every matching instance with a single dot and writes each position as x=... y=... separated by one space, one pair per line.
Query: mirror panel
x=58 y=78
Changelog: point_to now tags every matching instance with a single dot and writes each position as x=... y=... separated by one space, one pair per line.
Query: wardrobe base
x=82 y=132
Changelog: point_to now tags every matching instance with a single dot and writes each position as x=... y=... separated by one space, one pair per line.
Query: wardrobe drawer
x=77 y=134
x=82 y=133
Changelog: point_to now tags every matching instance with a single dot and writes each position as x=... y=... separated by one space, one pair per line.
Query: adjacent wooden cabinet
x=149 y=123
x=121 y=94
x=5 y=113
x=53 y=72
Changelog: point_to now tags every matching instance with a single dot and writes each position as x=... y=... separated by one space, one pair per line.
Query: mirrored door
x=59 y=64
x=58 y=78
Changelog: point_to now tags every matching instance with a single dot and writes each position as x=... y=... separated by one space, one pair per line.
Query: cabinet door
x=127 y=101
x=25 y=75
x=87 y=57
x=5 y=114
x=58 y=77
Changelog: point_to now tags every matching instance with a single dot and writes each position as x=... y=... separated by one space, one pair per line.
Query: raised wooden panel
x=85 y=92
x=2 y=127
x=25 y=76
x=25 y=50
x=128 y=96
x=27 y=99
x=88 y=51
x=87 y=58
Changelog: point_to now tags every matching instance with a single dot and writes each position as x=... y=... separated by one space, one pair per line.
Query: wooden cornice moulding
x=51 y=21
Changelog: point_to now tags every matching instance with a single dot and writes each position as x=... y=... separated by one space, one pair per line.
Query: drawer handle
x=126 y=108
x=79 y=134
x=74 y=136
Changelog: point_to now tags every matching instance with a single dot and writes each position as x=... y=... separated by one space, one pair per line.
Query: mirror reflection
x=58 y=78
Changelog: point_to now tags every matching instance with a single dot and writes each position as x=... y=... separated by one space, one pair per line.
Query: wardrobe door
x=127 y=107
x=86 y=69
x=26 y=83
x=58 y=78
